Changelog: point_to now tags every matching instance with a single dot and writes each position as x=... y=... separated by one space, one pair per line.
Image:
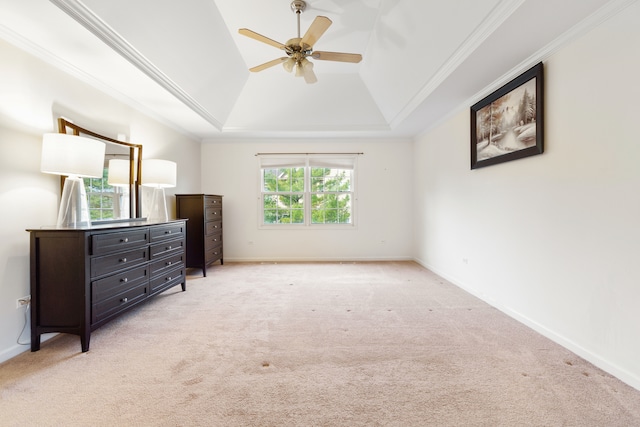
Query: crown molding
x=85 y=17
x=496 y=17
x=592 y=21
x=581 y=28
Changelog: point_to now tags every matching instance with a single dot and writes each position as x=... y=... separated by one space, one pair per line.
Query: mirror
x=115 y=196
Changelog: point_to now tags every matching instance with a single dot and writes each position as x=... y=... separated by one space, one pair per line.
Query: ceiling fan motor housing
x=297 y=50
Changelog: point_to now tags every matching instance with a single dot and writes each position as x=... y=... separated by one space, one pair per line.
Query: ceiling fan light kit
x=298 y=49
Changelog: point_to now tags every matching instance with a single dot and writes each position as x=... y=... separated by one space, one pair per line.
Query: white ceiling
x=184 y=62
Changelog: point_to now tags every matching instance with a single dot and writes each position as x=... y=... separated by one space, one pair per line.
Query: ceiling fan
x=298 y=49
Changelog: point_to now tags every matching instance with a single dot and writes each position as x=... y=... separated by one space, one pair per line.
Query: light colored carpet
x=318 y=344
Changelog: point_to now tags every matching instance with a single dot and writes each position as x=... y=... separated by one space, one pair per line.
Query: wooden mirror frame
x=134 y=164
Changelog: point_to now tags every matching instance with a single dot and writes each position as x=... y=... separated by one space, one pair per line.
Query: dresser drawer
x=213 y=240
x=165 y=232
x=167 y=280
x=161 y=266
x=111 y=263
x=118 y=283
x=160 y=250
x=212 y=202
x=213 y=214
x=111 y=306
x=213 y=254
x=212 y=227
x=104 y=243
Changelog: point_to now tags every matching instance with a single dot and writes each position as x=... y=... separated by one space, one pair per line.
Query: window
x=104 y=200
x=307 y=191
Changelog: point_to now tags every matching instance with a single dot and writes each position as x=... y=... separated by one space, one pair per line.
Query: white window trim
x=293 y=160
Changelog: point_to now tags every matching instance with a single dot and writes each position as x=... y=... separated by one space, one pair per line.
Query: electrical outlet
x=21 y=302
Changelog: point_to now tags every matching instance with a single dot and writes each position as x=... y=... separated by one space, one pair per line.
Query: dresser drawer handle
x=168 y=232
x=169 y=247
x=125 y=240
x=123 y=260
x=124 y=279
x=124 y=299
x=169 y=278
x=169 y=263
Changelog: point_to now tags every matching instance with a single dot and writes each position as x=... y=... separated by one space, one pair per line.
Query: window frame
x=307 y=161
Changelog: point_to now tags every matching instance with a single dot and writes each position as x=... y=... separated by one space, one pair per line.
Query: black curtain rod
x=281 y=154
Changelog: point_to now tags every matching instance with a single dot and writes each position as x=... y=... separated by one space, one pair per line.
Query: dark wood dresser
x=204 y=230
x=83 y=278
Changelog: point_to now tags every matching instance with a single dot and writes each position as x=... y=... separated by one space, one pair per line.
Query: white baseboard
x=316 y=259
x=17 y=349
x=594 y=358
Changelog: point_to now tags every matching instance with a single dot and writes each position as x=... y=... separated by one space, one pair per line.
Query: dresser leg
x=184 y=286
x=84 y=341
x=35 y=341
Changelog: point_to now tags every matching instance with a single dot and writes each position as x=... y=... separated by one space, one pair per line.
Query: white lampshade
x=75 y=157
x=289 y=64
x=159 y=173
x=64 y=154
x=119 y=173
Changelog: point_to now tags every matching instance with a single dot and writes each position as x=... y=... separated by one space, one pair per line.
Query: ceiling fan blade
x=316 y=30
x=337 y=56
x=260 y=38
x=268 y=64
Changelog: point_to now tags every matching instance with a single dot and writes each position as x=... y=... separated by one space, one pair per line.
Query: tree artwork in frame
x=508 y=124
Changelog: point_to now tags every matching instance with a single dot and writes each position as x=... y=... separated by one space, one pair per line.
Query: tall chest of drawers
x=204 y=229
x=83 y=278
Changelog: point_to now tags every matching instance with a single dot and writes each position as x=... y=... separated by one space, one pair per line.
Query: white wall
x=383 y=221
x=32 y=96
x=552 y=239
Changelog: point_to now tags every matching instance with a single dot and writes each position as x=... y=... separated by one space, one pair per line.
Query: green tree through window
x=100 y=196
x=307 y=191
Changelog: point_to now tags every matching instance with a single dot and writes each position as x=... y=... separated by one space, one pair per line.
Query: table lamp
x=159 y=174
x=74 y=157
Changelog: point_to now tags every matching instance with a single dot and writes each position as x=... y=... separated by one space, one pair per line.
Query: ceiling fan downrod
x=298 y=6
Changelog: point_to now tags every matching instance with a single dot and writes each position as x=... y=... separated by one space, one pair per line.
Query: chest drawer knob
x=167 y=232
x=124 y=279
x=123 y=260
x=169 y=247
x=125 y=240
x=124 y=300
x=169 y=263
x=169 y=278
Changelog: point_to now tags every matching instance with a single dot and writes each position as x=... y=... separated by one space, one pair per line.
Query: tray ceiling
x=185 y=63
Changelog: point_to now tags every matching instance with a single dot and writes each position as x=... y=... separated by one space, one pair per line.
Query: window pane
x=325 y=179
x=283 y=209
x=283 y=180
x=269 y=179
x=331 y=209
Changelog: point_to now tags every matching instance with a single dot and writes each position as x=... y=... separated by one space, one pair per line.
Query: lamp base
x=74 y=210
x=158 y=207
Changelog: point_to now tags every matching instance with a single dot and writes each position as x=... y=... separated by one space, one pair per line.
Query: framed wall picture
x=508 y=124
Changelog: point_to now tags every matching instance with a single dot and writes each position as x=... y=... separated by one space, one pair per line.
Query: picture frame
x=508 y=124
